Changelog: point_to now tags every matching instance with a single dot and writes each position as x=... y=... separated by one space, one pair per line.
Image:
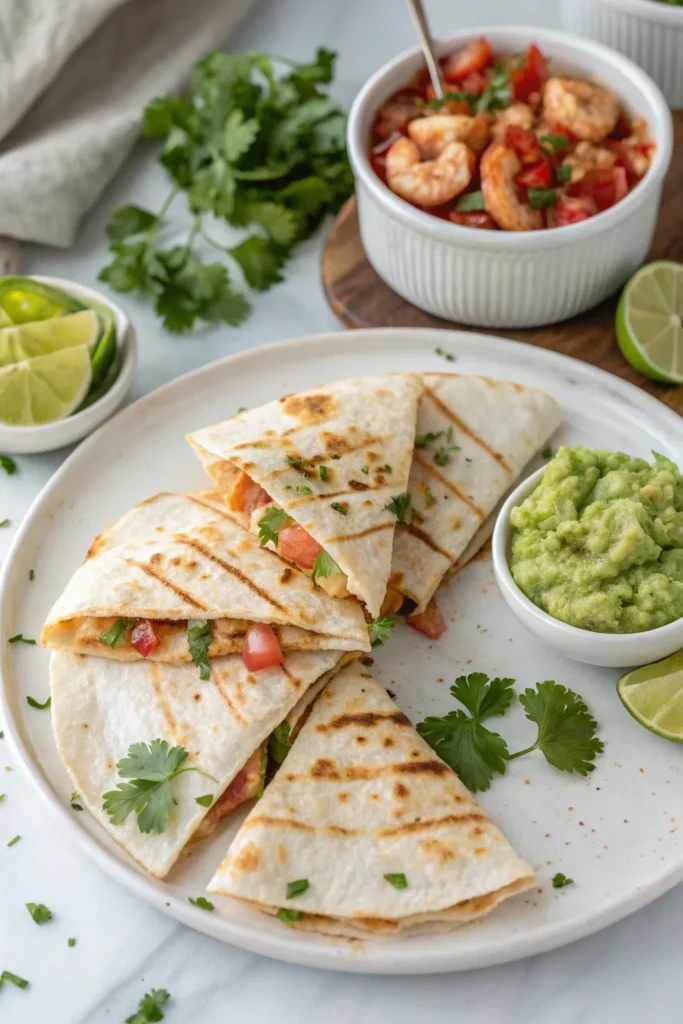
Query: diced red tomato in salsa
x=247 y=495
x=604 y=186
x=524 y=143
x=473 y=219
x=476 y=56
x=296 y=545
x=537 y=176
x=531 y=76
x=261 y=648
x=430 y=622
x=474 y=83
x=143 y=638
x=571 y=211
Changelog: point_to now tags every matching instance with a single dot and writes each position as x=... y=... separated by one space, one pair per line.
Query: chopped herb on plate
x=397 y=879
x=401 y=507
x=204 y=801
x=445 y=355
x=560 y=880
x=382 y=629
x=150 y=1007
x=21 y=639
x=8 y=464
x=339 y=507
x=13 y=979
x=32 y=702
x=288 y=916
x=297 y=888
x=39 y=912
x=13 y=841
x=202 y=903
x=74 y=801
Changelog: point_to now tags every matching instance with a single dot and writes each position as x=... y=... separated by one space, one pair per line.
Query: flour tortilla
x=177 y=557
x=361 y=795
x=101 y=707
x=368 y=422
x=498 y=427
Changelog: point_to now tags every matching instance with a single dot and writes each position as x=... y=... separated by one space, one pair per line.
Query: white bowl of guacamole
x=588 y=552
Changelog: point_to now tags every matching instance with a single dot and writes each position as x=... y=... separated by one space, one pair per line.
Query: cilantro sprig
x=253 y=147
x=150 y=1007
x=566 y=729
x=401 y=506
x=152 y=768
x=382 y=629
x=199 y=636
x=270 y=524
x=324 y=566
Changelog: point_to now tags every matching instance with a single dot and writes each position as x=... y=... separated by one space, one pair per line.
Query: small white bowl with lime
x=67 y=359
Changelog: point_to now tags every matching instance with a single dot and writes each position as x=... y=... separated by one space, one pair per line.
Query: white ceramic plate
x=616 y=833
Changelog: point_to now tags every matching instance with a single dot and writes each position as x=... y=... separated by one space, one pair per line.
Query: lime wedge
x=654 y=696
x=46 y=388
x=650 y=321
x=25 y=341
x=104 y=352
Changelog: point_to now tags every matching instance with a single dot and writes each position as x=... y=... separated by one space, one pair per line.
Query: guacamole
x=599 y=543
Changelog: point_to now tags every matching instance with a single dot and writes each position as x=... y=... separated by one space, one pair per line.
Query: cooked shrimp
x=589 y=111
x=587 y=157
x=499 y=167
x=433 y=134
x=518 y=115
x=431 y=182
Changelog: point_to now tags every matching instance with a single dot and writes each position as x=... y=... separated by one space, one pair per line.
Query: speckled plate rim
x=389 y=956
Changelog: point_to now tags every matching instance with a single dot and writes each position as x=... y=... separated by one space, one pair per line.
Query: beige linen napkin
x=75 y=76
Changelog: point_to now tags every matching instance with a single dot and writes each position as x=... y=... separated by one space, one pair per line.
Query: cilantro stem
x=521 y=753
x=192 y=768
x=212 y=242
x=149 y=235
x=192 y=235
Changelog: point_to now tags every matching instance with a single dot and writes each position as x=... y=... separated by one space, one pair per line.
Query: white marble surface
x=626 y=973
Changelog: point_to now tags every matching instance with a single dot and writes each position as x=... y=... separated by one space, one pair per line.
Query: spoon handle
x=419 y=17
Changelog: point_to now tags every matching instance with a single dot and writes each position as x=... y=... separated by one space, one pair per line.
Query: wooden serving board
x=359 y=297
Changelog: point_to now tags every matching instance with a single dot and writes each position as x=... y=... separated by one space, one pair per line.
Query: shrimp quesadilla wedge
x=364 y=830
x=124 y=729
x=322 y=477
x=474 y=437
x=176 y=579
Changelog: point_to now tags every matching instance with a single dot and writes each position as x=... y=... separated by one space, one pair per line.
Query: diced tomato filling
x=571 y=211
x=474 y=83
x=296 y=545
x=524 y=143
x=536 y=176
x=244 y=786
x=247 y=495
x=473 y=219
x=476 y=56
x=430 y=622
x=604 y=186
x=531 y=77
x=143 y=638
x=261 y=648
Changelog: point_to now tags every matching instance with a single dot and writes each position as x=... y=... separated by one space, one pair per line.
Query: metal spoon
x=419 y=17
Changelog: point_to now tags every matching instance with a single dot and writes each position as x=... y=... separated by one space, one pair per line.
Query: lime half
x=25 y=341
x=654 y=696
x=46 y=388
x=650 y=321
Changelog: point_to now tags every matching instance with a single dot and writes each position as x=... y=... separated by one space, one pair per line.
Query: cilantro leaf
x=471 y=201
x=33 y=703
x=484 y=697
x=422 y=440
x=270 y=524
x=448 y=356
x=443 y=456
x=473 y=752
x=554 y=142
x=297 y=888
x=150 y=1007
x=383 y=628
x=566 y=728
x=19 y=638
x=199 y=640
x=202 y=903
x=541 y=198
x=39 y=912
x=279 y=743
x=74 y=801
x=397 y=879
x=324 y=566
x=560 y=880
x=288 y=916
x=261 y=261
x=401 y=507
x=116 y=634
x=340 y=507
x=238 y=135
x=129 y=220
x=204 y=801
x=152 y=767
x=8 y=464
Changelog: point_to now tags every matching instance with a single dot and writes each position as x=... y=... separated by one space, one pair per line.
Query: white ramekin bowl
x=500 y=278
x=612 y=650
x=647 y=31
x=45 y=438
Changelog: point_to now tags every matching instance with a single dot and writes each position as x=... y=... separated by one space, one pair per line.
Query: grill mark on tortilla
x=314 y=460
x=330 y=830
x=225 y=697
x=426 y=539
x=166 y=713
x=211 y=508
x=472 y=434
x=370 y=772
x=361 y=533
x=308 y=498
x=178 y=591
x=431 y=471
x=427 y=824
x=367 y=718
x=231 y=569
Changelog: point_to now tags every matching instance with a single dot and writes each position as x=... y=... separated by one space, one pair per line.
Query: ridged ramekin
x=500 y=278
x=647 y=31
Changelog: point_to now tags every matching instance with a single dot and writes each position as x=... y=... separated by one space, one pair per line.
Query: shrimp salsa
x=509 y=145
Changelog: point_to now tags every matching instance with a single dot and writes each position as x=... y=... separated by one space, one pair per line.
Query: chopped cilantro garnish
x=204 y=801
x=335 y=457
x=386 y=469
x=453 y=97
x=8 y=464
x=31 y=574
x=338 y=507
x=398 y=880
x=365 y=469
x=429 y=498
x=21 y=639
x=560 y=880
x=554 y=142
x=32 y=702
x=294 y=462
x=13 y=841
x=325 y=565
x=288 y=916
x=39 y=912
x=4 y=522
x=470 y=202
x=383 y=628
x=71 y=943
x=422 y=440
x=116 y=634
x=324 y=472
x=563 y=173
x=448 y=356
x=442 y=455
x=279 y=744
x=541 y=198
x=2 y=797
x=297 y=888
x=74 y=801
x=150 y=1007
x=14 y=979
x=303 y=489
x=401 y=507
x=199 y=640
x=202 y=903
x=270 y=524
x=152 y=767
